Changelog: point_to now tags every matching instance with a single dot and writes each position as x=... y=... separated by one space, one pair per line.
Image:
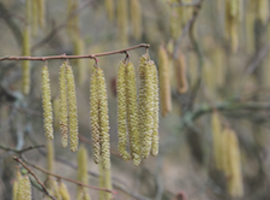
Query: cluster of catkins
x=227 y=156
x=68 y=106
x=21 y=188
x=137 y=114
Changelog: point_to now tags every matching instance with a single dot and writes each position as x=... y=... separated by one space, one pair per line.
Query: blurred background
x=223 y=49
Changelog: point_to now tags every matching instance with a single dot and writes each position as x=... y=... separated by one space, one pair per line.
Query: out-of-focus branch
x=20 y=151
x=33 y=174
x=182 y=4
x=9 y=21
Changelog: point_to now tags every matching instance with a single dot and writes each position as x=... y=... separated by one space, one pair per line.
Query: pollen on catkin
x=109 y=5
x=155 y=136
x=132 y=114
x=122 y=20
x=63 y=191
x=26 y=79
x=16 y=185
x=82 y=160
x=164 y=77
x=104 y=120
x=148 y=109
x=72 y=110
x=122 y=111
x=50 y=156
x=180 y=73
x=56 y=113
x=24 y=190
x=216 y=134
x=94 y=105
x=136 y=18
x=47 y=105
x=63 y=120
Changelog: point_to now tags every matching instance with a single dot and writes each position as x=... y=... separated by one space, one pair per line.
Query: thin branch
x=20 y=151
x=69 y=180
x=64 y=56
x=182 y=4
x=32 y=173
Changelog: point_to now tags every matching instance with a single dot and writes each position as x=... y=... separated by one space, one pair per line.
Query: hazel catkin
x=104 y=120
x=82 y=160
x=216 y=133
x=164 y=77
x=26 y=79
x=122 y=20
x=63 y=105
x=24 y=190
x=155 y=136
x=136 y=18
x=132 y=114
x=122 y=110
x=47 y=105
x=109 y=5
x=41 y=13
x=94 y=105
x=50 y=156
x=72 y=108
x=63 y=191
x=180 y=72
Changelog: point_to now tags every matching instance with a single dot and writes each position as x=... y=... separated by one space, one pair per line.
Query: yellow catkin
x=50 y=156
x=24 y=190
x=56 y=108
x=28 y=11
x=148 y=109
x=104 y=182
x=34 y=17
x=132 y=114
x=63 y=120
x=41 y=13
x=142 y=103
x=15 y=188
x=155 y=136
x=234 y=172
x=109 y=4
x=122 y=20
x=180 y=73
x=122 y=111
x=104 y=120
x=72 y=110
x=82 y=160
x=94 y=116
x=216 y=134
x=80 y=63
x=47 y=105
x=55 y=189
x=73 y=24
x=164 y=77
x=136 y=18
x=83 y=195
x=26 y=78
x=263 y=10
x=63 y=191
x=176 y=20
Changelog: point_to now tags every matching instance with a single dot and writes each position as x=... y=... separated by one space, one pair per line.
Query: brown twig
x=64 y=56
x=20 y=151
x=69 y=180
x=32 y=173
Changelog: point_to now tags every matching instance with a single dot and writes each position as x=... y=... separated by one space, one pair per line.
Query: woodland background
x=234 y=83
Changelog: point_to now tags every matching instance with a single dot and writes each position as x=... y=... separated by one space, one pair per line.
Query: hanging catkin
x=82 y=160
x=142 y=103
x=234 y=174
x=136 y=18
x=63 y=105
x=122 y=111
x=56 y=113
x=54 y=188
x=72 y=110
x=263 y=10
x=104 y=120
x=155 y=136
x=15 y=189
x=41 y=13
x=34 y=17
x=83 y=195
x=24 y=190
x=50 y=156
x=94 y=116
x=122 y=20
x=109 y=5
x=63 y=191
x=216 y=134
x=148 y=109
x=104 y=182
x=176 y=20
x=47 y=105
x=164 y=77
x=180 y=73
x=101 y=194
x=132 y=114
x=80 y=64
x=26 y=63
